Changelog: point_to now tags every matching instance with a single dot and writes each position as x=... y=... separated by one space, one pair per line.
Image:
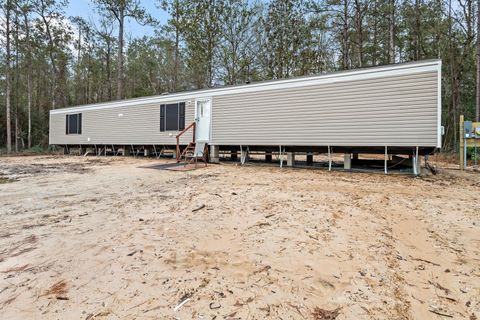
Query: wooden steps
x=194 y=151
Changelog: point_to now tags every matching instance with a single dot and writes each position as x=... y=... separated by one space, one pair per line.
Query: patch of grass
x=33 y=151
x=37 y=149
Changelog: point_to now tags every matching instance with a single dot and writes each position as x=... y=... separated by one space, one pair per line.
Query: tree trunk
x=477 y=107
x=17 y=84
x=418 y=30
x=391 y=30
x=375 y=33
x=120 y=76
x=359 y=30
x=109 y=71
x=88 y=96
x=7 y=77
x=453 y=79
x=52 y=58
x=176 y=68
x=29 y=79
x=29 y=109
x=17 y=130
x=210 y=45
x=177 y=47
x=78 y=71
x=345 y=54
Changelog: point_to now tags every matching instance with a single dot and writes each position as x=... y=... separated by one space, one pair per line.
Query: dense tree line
x=49 y=60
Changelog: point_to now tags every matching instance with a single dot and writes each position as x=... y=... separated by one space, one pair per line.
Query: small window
x=73 y=123
x=172 y=116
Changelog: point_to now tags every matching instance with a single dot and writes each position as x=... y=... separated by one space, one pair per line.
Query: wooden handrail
x=186 y=129
x=192 y=125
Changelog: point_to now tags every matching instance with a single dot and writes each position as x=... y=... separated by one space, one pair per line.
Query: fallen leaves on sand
x=59 y=289
x=321 y=314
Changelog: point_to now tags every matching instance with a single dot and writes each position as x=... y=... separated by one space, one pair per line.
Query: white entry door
x=203 y=116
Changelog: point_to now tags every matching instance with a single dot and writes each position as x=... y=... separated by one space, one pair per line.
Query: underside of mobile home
x=394 y=109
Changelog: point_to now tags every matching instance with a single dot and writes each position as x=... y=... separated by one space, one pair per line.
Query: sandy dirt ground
x=111 y=238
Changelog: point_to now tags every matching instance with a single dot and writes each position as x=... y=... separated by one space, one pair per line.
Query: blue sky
x=87 y=10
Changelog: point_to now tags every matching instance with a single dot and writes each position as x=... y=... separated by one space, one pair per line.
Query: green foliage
x=38 y=149
x=473 y=153
x=124 y=8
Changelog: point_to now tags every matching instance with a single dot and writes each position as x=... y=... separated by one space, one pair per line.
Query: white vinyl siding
x=120 y=125
x=387 y=111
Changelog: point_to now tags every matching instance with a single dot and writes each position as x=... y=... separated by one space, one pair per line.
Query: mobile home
x=394 y=109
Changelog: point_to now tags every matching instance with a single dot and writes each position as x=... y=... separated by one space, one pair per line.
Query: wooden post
x=177 y=149
x=193 y=134
x=462 y=139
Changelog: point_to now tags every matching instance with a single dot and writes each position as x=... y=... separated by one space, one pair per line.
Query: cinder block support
x=81 y=151
x=233 y=155
x=268 y=156
x=66 y=150
x=124 y=151
x=347 y=161
x=309 y=157
x=290 y=159
x=146 y=152
x=214 y=154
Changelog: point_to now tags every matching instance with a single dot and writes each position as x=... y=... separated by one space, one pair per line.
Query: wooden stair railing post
x=177 y=154
x=194 y=128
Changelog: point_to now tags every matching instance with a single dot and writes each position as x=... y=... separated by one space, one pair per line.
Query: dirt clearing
x=109 y=238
